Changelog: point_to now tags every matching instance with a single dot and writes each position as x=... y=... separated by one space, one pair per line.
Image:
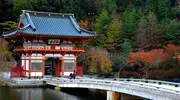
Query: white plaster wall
x=67 y=56
x=27 y=64
x=36 y=57
x=36 y=73
x=27 y=74
x=23 y=63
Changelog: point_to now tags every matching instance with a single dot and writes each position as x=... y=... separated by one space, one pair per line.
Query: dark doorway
x=50 y=67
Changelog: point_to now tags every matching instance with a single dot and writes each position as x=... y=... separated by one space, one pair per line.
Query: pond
x=48 y=94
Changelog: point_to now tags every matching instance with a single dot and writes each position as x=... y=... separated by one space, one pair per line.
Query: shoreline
x=2 y=84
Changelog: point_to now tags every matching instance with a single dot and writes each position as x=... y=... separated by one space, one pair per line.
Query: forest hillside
x=135 y=38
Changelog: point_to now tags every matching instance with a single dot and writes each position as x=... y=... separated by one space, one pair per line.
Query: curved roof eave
x=9 y=34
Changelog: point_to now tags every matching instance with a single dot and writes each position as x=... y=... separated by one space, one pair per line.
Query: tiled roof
x=55 y=24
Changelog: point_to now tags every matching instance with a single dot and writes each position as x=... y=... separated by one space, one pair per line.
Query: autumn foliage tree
x=146 y=60
x=157 y=63
x=5 y=56
x=99 y=61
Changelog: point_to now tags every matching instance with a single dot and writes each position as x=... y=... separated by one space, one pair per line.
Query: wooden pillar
x=25 y=64
x=20 y=65
x=75 y=64
x=57 y=68
x=62 y=63
x=43 y=65
x=29 y=65
x=20 y=62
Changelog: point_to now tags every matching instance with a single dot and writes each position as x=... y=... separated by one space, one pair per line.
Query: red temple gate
x=17 y=72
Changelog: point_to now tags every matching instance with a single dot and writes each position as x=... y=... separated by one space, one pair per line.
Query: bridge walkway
x=151 y=89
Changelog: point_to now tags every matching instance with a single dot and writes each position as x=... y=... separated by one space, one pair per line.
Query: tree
x=99 y=61
x=99 y=5
x=126 y=47
x=130 y=21
x=164 y=8
x=175 y=13
x=152 y=5
x=8 y=26
x=119 y=62
x=6 y=10
x=24 y=5
x=71 y=6
x=114 y=35
x=48 y=5
x=149 y=33
x=141 y=5
x=161 y=8
x=146 y=60
x=82 y=60
x=110 y=6
x=172 y=30
x=5 y=56
x=101 y=26
x=88 y=6
x=170 y=49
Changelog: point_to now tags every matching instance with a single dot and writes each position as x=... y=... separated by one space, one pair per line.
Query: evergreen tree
x=130 y=21
x=126 y=47
x=114 y=35
x=48 y=5
x=71 y=6
x=164 y=7
x=101 y=27
x=161 y=8
x=172 y=30
x=20 y=5
x=152 y=5
x=6 y=11
x=110 y=6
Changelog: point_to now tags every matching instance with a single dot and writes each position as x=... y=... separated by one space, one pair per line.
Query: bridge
x=150 y=89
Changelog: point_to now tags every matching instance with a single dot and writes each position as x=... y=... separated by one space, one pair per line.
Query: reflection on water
x=37 y=94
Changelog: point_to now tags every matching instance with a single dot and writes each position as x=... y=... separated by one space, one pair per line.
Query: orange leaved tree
x=146 y=60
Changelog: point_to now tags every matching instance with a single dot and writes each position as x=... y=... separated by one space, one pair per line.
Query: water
x=46 y=94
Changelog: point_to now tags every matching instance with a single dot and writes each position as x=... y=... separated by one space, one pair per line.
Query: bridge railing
x=155 y=84
x=149 y=81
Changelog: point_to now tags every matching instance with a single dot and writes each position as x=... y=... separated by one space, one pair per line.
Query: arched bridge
x=151 y=89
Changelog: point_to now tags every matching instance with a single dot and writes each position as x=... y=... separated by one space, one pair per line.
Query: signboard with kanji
x=54 y=41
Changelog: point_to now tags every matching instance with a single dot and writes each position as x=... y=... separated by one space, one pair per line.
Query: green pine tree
x=101 y=27
x=130 y=21
x=110 y=6
x=114 y=34
x=126 y=47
